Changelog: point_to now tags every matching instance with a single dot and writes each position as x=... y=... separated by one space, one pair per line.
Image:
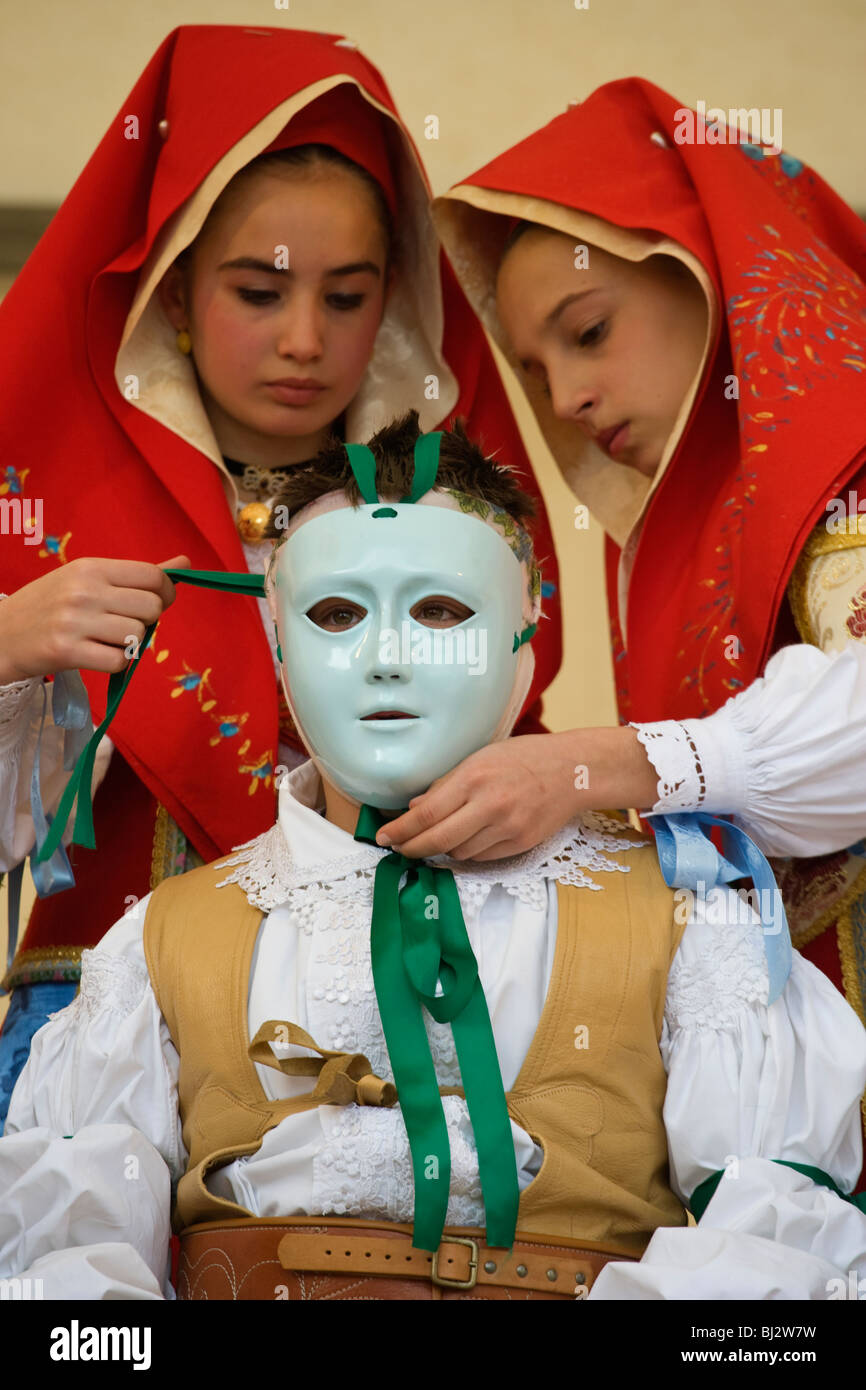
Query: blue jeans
x=29 y=1007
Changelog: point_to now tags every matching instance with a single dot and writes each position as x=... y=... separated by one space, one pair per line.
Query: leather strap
x=340 y=1258
x=460 y=1262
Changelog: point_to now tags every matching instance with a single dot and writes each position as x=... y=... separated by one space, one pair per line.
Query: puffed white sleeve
x=93 y=1139
x=783 y=758
x=749 y=1084
x=20 y=716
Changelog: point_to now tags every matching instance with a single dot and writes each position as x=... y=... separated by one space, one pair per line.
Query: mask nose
x=390 y=658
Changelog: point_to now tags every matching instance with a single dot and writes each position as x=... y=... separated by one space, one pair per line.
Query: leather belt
x=334 y=1258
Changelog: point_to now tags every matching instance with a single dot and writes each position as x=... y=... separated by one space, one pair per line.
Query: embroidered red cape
x=750 y=477
x=199 y=725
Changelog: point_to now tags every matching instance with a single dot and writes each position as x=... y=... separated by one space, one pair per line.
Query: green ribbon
x=252 y=585
x=426 y=459
x=705 y=1191
x=525 y=636
x=362 y=462
x=418 y=939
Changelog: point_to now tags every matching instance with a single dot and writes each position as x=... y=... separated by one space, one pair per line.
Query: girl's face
x=615 y=345
x=282 y=297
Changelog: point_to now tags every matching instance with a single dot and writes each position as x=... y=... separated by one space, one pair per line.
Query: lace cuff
x=675 y=759
x=699 y=762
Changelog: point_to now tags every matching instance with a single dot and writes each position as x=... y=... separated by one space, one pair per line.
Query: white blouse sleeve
x=784 y=758
x=748 y=1084
x=108 y=1057
x=20 y=717
x=93 y=1139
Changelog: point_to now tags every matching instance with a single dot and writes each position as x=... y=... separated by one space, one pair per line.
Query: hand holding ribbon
x=248 y=584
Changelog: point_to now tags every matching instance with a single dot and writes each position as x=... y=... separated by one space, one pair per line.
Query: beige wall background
x=492 y=71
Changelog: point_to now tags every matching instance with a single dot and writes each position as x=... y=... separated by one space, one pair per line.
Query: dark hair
x=477 y=482
x=514 y=235
x=312 y=159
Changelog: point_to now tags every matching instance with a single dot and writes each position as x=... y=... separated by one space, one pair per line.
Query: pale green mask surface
x=455 y=682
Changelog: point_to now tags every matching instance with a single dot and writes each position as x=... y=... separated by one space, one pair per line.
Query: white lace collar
x=303 y=850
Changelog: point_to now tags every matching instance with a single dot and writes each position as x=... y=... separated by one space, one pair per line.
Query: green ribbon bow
x=418 y=941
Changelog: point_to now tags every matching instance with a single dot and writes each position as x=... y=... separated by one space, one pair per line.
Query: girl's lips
x=294 y=395
x=614 y=441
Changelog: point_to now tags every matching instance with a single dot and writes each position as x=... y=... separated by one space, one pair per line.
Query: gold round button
x=253 y=521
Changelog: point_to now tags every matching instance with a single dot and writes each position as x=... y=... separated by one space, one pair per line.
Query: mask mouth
x=387 y=714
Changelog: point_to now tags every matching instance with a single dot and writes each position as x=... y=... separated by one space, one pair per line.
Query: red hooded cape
x=199 y=726
x=751 y=477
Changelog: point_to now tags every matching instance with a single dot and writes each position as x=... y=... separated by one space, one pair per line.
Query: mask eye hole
x=336 y=614
x=440 y=611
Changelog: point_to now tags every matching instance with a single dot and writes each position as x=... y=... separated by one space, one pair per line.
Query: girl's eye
x=336 y=616
x=436 y=612
x=594 y=335
x=256 y=296
x=345 y=301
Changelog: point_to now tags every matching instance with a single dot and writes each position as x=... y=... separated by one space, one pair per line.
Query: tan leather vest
x=590 y=1091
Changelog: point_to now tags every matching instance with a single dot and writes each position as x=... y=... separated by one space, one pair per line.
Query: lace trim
x=264 y=867
x=712 y=992
x=364 y=1169
x=682 y=785
x=108 y=983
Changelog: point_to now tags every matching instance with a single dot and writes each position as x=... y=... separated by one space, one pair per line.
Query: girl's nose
x=301 y=332
x=574 y=398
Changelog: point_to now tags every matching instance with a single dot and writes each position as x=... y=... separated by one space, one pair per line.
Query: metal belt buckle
x=444 y=1280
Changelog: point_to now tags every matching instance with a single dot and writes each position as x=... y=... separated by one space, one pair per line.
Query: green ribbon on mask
x=362 y=462
x=418 y=941
x=252 y=585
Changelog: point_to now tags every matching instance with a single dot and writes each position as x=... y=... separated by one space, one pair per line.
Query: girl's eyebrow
x=554 y=314
x=268 y=268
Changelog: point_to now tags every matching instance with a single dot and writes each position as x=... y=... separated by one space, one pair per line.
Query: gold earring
x=184 y=342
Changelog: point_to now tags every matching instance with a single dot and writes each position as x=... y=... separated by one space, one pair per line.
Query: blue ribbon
x=689 y=859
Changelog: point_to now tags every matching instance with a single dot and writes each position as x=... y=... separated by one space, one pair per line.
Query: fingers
x=441 y=800
x=107 y=642
x=139 y=605
x=487 y=838
x=456 y=829
x=113 y=630
x=503 y=849
x=140 y=590
x=95 y=656
x=167 y=589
